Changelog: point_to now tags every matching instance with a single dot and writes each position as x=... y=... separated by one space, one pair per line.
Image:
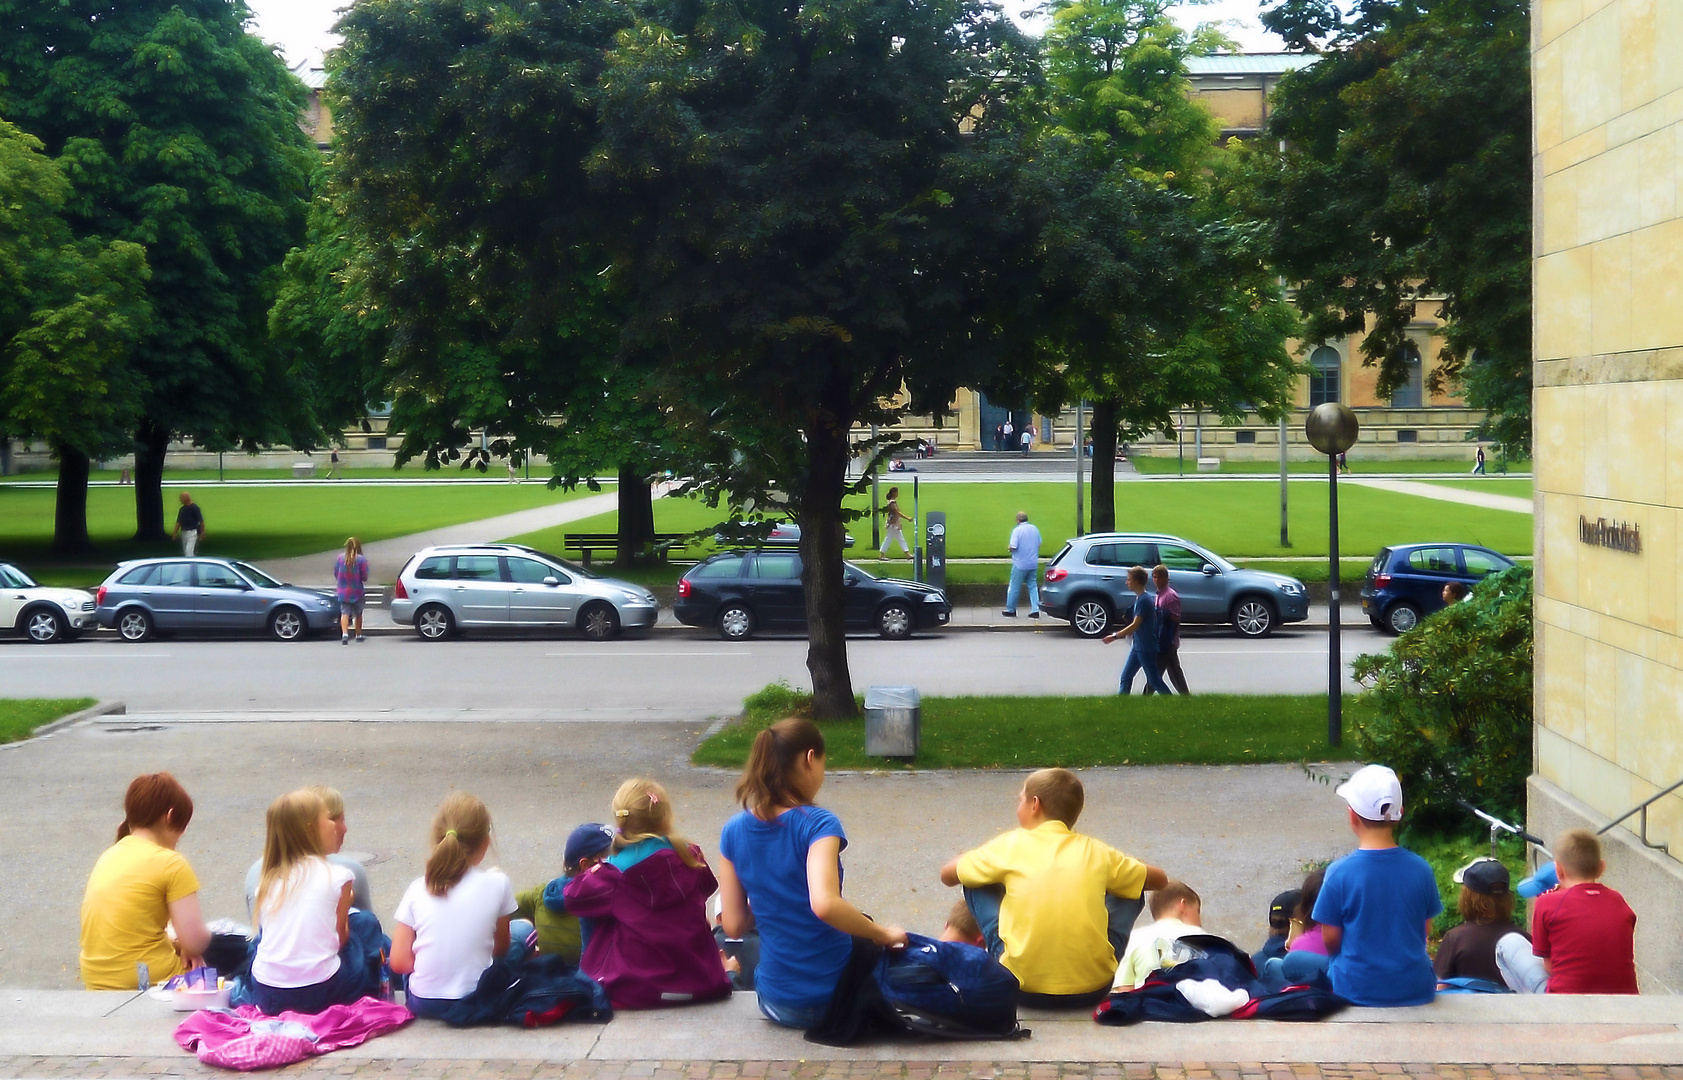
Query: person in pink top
x=1168 y=631
x=1307 y=955
x=350 y=578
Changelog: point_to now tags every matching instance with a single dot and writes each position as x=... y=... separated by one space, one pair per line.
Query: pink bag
x=245 y=1039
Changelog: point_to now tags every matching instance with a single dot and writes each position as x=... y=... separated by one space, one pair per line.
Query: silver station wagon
x=151 y=596
x=443 y=590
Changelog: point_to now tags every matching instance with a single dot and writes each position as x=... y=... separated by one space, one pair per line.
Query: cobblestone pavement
x=89 y=1068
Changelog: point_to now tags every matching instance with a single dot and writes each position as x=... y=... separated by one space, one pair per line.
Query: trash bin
x=893 y=721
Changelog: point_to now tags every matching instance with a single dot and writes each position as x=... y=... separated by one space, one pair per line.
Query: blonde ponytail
x=643 y=811
x=460 y=828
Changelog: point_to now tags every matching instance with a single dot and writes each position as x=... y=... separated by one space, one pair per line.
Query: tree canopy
x=1406 y=175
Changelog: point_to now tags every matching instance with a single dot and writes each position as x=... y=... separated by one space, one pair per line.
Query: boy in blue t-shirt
x=1377 y=904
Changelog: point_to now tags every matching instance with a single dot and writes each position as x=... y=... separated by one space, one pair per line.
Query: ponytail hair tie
x=622 y=813
x=451 y=833
x=654 y=800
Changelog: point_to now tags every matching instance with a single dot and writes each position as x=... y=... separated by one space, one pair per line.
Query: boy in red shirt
x=1583 y=934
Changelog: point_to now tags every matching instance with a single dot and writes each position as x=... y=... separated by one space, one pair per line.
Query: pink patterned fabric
x=244 y=1039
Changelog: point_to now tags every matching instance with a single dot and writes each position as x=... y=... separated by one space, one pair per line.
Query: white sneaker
x=344 y=639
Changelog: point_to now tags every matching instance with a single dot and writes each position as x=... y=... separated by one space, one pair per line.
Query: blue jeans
x=1020 y=577
x=802 y=1017
x=1298 y=967
x=358 y=976
x=452 y=1010
x=1140 y=660
x=984 y=901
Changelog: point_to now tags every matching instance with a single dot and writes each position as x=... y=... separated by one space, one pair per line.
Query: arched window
x=1323 y=376
x=1411 y=394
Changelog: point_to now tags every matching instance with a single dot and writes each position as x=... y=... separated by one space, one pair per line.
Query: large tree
x=1405 y=174
x=817 y=210
x=1154 y=289
x=70 y=311
x=178 y=132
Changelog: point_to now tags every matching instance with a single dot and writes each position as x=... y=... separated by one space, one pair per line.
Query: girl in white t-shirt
x=304 y=960
x=452 y=923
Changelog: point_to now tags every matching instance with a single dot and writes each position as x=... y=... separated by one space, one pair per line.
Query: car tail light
x=400 y=593
x=683 y=588
x=1056 y=573
x=99 y=597
x=1382 y=581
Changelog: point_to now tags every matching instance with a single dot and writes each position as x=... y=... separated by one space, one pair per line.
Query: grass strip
x=1039 y=732
x=20 y=717
x=1158 y=466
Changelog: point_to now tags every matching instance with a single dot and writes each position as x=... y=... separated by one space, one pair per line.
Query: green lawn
x=256 y=522
x=19 y=717
x=1038 y=732
x=1235 y=519
x=1155 y=466
x=1494 y=485
x=204 y=476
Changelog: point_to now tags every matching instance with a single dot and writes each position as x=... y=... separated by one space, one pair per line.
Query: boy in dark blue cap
x=561 y=934
x=1279 y=927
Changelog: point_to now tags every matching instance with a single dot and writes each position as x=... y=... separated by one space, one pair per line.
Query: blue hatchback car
x=1405 y=583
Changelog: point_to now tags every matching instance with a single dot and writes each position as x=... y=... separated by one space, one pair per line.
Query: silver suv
x=443 y=590
x=1087 y=583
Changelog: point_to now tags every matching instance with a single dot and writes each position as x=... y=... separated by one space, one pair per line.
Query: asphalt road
x=666 y=677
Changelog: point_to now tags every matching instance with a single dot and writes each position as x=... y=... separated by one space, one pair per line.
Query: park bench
x=588 y=543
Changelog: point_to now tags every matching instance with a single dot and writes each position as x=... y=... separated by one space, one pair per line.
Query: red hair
x=154 y=798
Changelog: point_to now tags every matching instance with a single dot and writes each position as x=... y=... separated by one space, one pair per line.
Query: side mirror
x=1209 y=570
x=551 y=582
x=849 y=579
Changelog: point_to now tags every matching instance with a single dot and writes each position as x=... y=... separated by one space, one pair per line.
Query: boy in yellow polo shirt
x=1055 y=906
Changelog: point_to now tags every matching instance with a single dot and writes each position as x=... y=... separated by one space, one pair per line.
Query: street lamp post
x=1332 y=430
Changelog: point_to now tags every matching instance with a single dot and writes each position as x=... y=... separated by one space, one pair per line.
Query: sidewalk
x=68 y=1028
x=1444 y=493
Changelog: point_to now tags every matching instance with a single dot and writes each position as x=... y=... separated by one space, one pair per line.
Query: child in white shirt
x=1176 y=911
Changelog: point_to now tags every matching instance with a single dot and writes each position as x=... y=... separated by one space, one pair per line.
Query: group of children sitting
x=1054 y=906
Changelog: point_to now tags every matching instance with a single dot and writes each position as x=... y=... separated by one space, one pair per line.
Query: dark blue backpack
x=950 y=989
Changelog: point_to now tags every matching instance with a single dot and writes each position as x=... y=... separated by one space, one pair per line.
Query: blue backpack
x=950 y=989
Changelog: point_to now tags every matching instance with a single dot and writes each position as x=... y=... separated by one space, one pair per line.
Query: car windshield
x=256 y=576
x=570 y=567
x=862 y=574
x=13 y=578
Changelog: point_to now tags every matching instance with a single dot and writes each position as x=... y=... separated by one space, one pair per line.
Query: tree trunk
x=1104 y=464
x=821 y=570
x=150 y=446
x=636 y=514
x=70 y=514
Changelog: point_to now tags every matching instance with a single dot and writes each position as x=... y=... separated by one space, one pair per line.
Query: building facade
x=1608 y=280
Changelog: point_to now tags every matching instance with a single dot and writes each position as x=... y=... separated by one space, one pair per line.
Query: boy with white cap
x=1377 y=904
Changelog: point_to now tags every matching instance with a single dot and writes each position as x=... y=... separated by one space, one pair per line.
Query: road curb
x=104 y=708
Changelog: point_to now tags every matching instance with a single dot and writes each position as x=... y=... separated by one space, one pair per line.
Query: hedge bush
x=1450 y=705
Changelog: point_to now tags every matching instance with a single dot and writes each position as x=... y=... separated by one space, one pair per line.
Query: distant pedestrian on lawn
x=1168 y=630
x=894 y=525
x=350 y=576
x=189 y=525
x=1143 y=656
x=333 y=465
x=1025 y=567
x=1478 y=463
x=1010 y=440
x=1343 y=462
x=1027 y=440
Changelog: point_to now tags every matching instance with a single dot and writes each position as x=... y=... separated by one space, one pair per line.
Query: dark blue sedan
x=1405 y=583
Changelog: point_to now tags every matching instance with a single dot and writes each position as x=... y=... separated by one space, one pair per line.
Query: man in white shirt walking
x=1025 y=567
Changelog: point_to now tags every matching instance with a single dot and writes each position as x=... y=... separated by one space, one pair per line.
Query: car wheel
x=736 y=623
x=1254 y=617
x=1402 y=617
x=1090 y=616
x=287 y=624
x=599 y=622
x=134 y=625
x=895 y=621
x=434 y=623
x=45 y=626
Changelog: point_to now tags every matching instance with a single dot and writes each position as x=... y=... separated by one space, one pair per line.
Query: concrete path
x=386 y=557
x=1446 y=494
x=1464 y=1029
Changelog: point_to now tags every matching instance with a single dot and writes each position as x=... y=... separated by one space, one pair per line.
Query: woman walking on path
x=350 y=576
x=780 y=871
x=894 y=525
x=1143 y=656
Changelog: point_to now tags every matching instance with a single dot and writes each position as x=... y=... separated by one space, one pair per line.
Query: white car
x=42 y=614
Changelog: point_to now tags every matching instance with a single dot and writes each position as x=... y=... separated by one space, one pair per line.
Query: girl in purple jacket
x=650 y=941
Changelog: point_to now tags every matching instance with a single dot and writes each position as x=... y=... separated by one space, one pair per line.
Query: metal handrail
x=1642 y=808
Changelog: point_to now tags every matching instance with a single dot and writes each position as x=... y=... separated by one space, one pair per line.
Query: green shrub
x=1450 y=705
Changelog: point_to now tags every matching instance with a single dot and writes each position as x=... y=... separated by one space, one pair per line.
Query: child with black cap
x=561 y=934
x=1279 y=927
x=1486 y=905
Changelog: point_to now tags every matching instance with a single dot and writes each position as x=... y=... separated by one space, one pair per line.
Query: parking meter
x=935 y=543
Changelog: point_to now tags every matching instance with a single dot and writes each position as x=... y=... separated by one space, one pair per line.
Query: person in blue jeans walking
x=1143 y=630
x=1025 y=567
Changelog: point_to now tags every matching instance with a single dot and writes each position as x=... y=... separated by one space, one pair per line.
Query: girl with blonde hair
x=453 y=921
x=650 y=943
x=307 y=957
x=350 y=579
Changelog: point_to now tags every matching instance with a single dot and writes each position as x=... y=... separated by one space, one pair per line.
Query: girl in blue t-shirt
x=780 y=871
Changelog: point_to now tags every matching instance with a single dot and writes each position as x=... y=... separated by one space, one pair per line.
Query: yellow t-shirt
x=1053 y=919
x=125 y=911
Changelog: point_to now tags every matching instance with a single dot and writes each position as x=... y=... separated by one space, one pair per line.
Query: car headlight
x=71 y=604
x=634 y=598
x=324 y=602
x=1291 y=588
x=933 y=598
